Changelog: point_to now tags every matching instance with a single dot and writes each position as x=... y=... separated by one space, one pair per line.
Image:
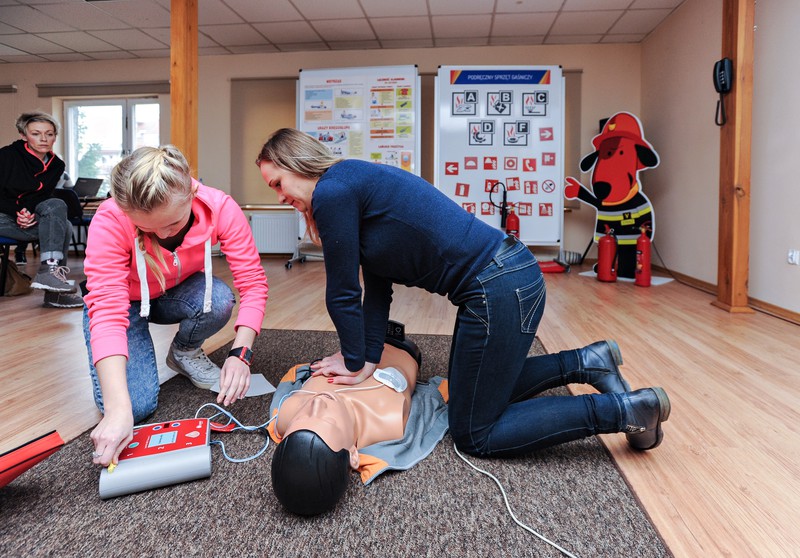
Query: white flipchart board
x=503 y=124
x=369 y=113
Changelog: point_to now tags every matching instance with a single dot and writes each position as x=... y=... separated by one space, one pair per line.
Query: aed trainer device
x=159 y=455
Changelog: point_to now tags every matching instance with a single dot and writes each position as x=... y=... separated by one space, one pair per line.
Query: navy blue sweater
x=397 y=228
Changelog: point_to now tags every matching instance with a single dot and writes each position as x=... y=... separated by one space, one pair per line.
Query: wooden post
x=738 y=17
x=183 y=79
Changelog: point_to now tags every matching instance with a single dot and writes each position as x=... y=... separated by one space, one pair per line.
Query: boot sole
x=177 y=368
x=48 y=288
x=615 y=352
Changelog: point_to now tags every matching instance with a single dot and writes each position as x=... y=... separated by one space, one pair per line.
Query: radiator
x=275 y=232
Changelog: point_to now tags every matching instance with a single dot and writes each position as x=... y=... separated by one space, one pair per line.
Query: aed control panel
x=160 y=454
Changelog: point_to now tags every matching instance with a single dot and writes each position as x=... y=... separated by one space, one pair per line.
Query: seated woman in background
x=29 y=172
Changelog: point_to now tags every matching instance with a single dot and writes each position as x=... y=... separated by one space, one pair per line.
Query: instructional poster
x=369 y=113
x=501 y=128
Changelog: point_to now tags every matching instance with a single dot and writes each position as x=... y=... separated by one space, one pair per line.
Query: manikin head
x=309 y=477
x=311 y=465
x=310 y=468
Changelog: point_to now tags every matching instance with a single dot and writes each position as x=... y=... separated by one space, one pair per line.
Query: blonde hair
x=294 y=151
x=36 y=116
x=149 y=178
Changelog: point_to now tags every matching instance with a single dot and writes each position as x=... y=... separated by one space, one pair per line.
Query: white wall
x=775 y=191
x=678 y=104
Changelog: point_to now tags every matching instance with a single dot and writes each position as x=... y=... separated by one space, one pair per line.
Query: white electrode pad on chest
x=391 y=377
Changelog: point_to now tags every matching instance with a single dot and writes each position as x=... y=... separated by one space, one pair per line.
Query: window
x=100 y=132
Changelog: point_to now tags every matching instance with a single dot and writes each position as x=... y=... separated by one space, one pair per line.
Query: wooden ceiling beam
x=183 y=79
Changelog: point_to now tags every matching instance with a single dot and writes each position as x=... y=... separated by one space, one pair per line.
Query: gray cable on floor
x=508 y=506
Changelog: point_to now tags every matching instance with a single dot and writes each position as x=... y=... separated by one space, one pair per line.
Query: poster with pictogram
x=368 y=113
x=503 y=127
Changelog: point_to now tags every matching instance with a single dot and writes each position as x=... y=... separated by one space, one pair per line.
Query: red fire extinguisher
x=512 y=222
x=643 y=258
x=607 y=257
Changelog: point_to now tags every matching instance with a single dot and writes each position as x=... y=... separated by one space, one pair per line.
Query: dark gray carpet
x=571 y=494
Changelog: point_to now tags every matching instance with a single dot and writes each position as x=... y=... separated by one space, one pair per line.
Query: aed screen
x=162 y=439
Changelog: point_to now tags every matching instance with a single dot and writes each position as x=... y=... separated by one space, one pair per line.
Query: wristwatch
x=242 y=353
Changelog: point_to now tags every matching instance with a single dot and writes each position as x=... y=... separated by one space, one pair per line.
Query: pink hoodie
x=113 y=274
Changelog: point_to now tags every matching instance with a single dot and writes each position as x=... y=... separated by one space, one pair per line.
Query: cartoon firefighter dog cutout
x=622 y=208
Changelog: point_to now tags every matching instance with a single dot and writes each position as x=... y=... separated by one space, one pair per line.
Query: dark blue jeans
x=183 y=305
x=492 y=411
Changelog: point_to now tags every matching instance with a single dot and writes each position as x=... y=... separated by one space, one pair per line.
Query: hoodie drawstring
x=207 y=270
x=141 y=266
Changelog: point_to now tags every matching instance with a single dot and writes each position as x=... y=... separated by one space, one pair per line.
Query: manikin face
x=292 y=189
x=40 y=137
x=325 y=414
x=164 y=221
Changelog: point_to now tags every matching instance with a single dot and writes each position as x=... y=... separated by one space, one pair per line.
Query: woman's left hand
x=333 y=367
x=234 y=381
x=25 y=219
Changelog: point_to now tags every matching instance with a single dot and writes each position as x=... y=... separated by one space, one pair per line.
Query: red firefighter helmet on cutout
x=622 y=125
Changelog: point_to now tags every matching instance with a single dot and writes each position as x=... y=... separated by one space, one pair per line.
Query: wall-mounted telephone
x=723 y=81
x=723 y=75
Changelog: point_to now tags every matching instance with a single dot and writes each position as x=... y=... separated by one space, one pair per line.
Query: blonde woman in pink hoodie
x=148 y=259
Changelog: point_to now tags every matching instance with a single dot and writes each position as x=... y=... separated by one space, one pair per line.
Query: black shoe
x=20 y=259
x=599 y=367
x=645 y=410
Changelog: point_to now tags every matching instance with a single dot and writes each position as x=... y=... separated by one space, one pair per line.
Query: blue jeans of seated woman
x=492 y=380
x=183 y=305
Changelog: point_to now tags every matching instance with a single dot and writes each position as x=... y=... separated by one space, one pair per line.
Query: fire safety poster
x=369 y=113
x=500 y=128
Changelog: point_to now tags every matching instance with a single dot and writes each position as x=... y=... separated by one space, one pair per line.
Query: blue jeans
x=491 y=410
x=183 y=305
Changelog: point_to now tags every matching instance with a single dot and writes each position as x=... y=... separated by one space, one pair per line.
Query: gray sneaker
x=195 y=365
x=62 y=300
x=53 y=278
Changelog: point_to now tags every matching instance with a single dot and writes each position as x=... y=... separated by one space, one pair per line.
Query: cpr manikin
x=323 y=428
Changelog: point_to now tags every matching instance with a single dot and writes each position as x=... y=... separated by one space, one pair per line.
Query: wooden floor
x=725 y=482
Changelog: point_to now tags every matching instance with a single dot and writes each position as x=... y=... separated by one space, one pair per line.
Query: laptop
x=87 y=187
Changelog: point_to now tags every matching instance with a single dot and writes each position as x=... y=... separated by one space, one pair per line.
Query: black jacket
x=25 y=181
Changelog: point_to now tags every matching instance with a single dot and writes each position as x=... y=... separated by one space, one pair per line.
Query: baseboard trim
x=754 y=303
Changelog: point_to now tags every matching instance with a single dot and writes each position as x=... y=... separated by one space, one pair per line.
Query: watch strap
x=245 y=354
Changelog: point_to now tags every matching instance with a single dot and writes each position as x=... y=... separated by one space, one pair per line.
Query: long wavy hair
x=149 y=178
x=294 y=151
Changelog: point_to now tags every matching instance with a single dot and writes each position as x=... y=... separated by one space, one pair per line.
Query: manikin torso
x=366 y=416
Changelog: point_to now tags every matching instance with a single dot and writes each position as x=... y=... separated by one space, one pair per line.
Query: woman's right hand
x=110 y=437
